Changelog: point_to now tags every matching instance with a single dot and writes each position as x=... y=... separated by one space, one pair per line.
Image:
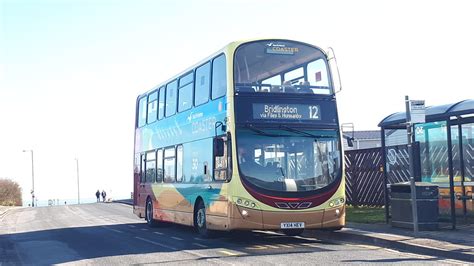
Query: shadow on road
x=80 y=243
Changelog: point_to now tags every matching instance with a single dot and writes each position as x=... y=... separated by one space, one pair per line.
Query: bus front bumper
x=247 y=218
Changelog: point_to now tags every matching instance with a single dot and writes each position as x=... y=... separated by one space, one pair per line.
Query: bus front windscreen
x=281 y=67
x=289 y=160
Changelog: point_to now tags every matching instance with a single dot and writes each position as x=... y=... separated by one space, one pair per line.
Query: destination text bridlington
x=277 y=111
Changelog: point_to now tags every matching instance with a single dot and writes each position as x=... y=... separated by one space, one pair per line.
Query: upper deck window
x=219 y=77
x=152 y=107
x=171 y=98
x=186 y=92
x=161 y=103
x=281 y=67
x=201 y=90
x=141 y=112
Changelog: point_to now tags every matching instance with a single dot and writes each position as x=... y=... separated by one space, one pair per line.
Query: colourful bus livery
x=247 y=139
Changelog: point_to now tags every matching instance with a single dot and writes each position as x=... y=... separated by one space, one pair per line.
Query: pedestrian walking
x=97 y=194
x=103 y=195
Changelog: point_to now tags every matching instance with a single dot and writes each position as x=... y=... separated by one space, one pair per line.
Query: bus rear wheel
x=292 y=232
x=149 y=214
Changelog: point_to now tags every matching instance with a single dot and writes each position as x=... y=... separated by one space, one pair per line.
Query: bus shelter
x=443 y=154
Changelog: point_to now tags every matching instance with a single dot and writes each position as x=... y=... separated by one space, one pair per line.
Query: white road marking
x=177 y=238
x=271 y=246
x=113 y=230
x=228 y=253
x=310 y=245
x=144 y=229
x=132 y=226
x=256 y=247
x=157 y=233
x=200 y=245
x=155 y=243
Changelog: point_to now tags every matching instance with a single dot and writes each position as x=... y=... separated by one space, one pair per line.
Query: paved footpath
x=453 y=244
x=3 y=211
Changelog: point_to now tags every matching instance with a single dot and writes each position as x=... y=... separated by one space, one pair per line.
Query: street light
x=77 y=172
x=32 y=178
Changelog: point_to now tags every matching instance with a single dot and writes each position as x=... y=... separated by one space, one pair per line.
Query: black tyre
x=200 y=220
x=293 y=232
x=149 y=214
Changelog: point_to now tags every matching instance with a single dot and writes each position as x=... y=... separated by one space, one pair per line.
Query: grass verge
x=366 y=215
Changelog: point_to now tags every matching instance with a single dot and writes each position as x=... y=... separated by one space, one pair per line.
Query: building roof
x=363 y=134
x=433 y=113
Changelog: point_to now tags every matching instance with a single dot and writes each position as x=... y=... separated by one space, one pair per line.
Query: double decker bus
x=246 y=139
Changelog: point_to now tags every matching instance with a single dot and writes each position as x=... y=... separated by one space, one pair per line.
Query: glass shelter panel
x=467 y=186
x=434 y=159
x=433 y=152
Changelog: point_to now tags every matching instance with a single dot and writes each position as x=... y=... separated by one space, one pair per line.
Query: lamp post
x=77 y=172
x=32 y=178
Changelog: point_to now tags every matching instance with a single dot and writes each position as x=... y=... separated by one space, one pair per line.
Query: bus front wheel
x=200 y=220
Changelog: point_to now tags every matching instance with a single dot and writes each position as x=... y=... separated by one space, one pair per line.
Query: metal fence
x=364 y=174
x=364 y=177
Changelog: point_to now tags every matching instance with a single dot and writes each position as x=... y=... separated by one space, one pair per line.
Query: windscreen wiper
x=298 y=131
x=287 y=128
x=260 y=132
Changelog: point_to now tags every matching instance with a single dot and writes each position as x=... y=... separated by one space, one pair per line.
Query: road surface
x=109 y=234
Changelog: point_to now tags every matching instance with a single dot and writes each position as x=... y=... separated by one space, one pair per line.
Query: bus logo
x=293 y=205
x=276 y=48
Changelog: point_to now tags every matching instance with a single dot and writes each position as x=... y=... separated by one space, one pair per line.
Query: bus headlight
x=245 y=203
x=336 y=202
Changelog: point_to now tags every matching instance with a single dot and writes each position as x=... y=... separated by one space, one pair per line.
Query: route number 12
x=313 y=112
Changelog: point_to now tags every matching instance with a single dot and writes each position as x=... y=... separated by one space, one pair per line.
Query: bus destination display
x=286 y=111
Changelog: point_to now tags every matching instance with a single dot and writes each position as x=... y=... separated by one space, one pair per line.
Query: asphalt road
x=109 y=234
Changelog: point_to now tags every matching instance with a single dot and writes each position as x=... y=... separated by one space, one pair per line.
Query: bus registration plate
x=292 y=225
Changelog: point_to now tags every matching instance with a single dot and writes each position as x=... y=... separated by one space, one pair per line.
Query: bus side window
x=141 y=116
x=137 y=165
x=179 y=163
x=152 y=107
x=161 y=103
x=202 y=84
x=185 y=92
x=219 y=77
x=220 y=160
x=171 y=98
x=170 y=165
x=142 y=168
x=159 y=166
x=150 y=166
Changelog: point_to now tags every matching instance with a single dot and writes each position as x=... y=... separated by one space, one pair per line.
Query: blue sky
x=70 y=70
